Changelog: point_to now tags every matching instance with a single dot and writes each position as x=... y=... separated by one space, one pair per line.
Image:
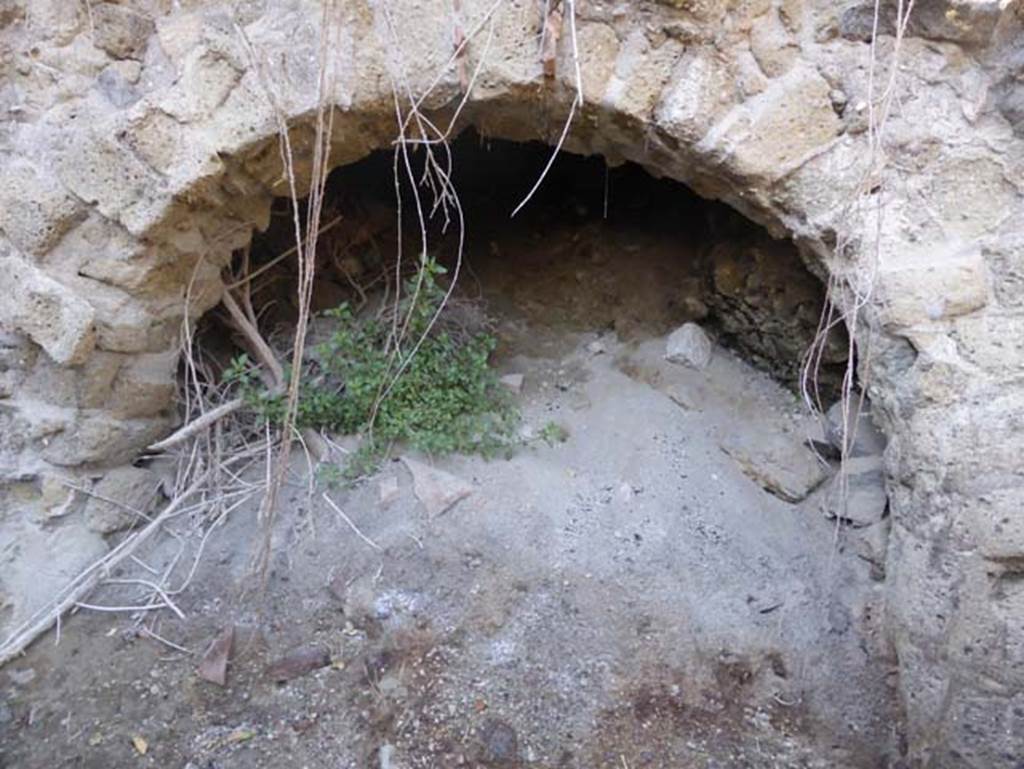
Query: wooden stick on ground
x=273 y=377
x=80 y=586
x=275 y=371
x=197 y=425
x=260 y=349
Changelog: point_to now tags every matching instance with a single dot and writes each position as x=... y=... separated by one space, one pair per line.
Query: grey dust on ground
x=661 y=589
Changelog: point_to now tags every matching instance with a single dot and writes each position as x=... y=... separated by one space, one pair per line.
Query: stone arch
x=129 y=183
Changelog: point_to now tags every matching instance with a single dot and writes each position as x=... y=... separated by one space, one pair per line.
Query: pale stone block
x=995 y=342
x=146 y=386
x=35 y=210
x=119 y=498
x=102 y=171
x=47 y=312
x=699 y=91
x=119 y=30
x=933 y=284
x=773 y=133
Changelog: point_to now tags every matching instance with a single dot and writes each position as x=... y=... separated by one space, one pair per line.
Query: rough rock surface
x=37 y=560
x=865 y=437
x=689 y=346
x=436 y=489
x=51 y=315
x=766 y=305
x=121 y=500
x=858 y=493
x=760 y=105
x=777 y=463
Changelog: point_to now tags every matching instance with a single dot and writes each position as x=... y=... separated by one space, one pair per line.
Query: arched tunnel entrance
x=598 y=249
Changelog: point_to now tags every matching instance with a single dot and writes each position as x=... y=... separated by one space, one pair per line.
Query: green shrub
x=446 y=398
x=553 y=433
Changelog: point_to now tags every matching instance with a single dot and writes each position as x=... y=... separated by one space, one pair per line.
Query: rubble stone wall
x=140 y=149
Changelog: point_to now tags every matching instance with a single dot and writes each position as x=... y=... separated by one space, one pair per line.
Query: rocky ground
x=661 y=589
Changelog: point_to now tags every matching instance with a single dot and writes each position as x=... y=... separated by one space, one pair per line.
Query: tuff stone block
x=47 y=312
x=119 y=30
x=35 y=210
x=933 y=284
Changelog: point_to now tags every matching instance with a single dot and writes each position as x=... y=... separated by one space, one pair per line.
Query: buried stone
x=781 y=467
x=436 y=489
x=857 y=495
x=499 y=743
x=864 y=438
x=298 y=662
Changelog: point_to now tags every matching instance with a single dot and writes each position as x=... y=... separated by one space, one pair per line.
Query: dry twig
x=76 y=590
x=197 y=426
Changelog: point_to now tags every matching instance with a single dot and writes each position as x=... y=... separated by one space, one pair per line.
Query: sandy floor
x=628 y=598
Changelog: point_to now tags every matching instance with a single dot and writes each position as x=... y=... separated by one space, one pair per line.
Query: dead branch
x=73 y=593
x=351 y=525
x=260 y=349
x=577 y=103
x=264 y=355
x=306 y=247
x=249 y=276
x=198 y=425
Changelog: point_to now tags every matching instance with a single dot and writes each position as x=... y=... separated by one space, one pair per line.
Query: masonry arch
x=143 y=188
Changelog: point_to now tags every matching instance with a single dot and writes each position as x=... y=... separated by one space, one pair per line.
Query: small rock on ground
x=499 y=743
x=213 y=667
x=513 y=382
x=868 y=440
x=388 y=490
x=298 y=663
x=689 y=346
x=22 y=677
x=783 y=468
x=436 y=489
